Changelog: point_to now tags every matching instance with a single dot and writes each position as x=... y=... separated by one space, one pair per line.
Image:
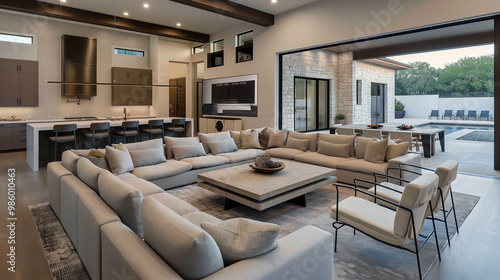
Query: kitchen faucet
x=125 y=113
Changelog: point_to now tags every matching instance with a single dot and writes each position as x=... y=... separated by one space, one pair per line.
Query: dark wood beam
x=231 y=9
x=426 y=45
x=78 y=15
x=497 y=94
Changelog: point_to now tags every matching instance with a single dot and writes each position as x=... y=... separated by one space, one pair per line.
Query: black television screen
x=234 y=93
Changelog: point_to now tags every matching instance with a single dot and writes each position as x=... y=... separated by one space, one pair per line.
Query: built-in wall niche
x=244 y=46
x=216 y=57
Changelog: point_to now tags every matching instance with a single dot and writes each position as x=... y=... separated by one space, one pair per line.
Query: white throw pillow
x=178 y=141
x=241 y=238
x=224 y=146
x=250 y=140
x=119 y=159
x=188 y=151
x=299 y=144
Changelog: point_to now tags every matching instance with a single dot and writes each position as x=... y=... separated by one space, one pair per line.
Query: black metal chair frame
x=155 y=123
x=177 y=123
x=338 y=225
x=104 y=126
x=460 y=114
x=130 y=124
x=60 y=129
x=470 y=115
x=447 y=114
x=434 y=113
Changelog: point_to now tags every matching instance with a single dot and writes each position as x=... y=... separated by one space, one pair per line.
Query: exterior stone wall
x=346 y=87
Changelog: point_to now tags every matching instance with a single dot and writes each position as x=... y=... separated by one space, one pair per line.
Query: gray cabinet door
x=9 y=89
x=26 y=66
x=9 y=65
x=28 y=89
x=134 y=94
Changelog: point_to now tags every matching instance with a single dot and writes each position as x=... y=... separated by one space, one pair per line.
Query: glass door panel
x=300 y=105
x=323 y=104
x=311 y=105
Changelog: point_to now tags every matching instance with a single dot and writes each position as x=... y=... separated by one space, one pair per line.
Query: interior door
x=172 y=98
x=377 y=102
x=181 y=97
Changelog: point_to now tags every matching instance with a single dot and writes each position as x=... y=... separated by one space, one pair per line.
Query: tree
x=421 y=79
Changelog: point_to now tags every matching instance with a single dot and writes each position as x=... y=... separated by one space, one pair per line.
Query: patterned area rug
x=64 y=262
x=479 y=135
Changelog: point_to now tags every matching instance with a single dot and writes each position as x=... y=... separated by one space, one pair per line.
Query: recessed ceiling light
x=145 y=5
x=274 y=1
x=179 y=24
x=125 y=13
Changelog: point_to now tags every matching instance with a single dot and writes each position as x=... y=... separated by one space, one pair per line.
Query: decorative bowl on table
x=375 y=125
x=265 y=164
x=405 y=127
x=280 y=167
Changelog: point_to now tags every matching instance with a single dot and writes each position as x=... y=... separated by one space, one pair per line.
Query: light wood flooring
x=474 y=252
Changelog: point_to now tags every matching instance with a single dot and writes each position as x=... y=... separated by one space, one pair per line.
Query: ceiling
x=167 y=13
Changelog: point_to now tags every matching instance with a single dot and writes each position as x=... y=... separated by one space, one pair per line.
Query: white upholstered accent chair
x=447 y=173
x=392 y=227
x=370 y=133
x=345 y=131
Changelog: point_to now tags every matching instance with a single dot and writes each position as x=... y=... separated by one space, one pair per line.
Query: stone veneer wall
x=369 y=74
x=309 y=64
x=346 y=86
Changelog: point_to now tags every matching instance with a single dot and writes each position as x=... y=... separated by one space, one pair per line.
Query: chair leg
x=418 y=257
x=445 y=220
x=453 y=208
x=435 y=233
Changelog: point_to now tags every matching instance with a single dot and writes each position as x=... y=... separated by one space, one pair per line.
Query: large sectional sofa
x=102 y=198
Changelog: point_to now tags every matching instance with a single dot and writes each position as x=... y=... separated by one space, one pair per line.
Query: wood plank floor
x=474 y=252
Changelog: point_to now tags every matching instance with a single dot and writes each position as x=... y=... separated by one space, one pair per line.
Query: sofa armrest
x=409 y=158
x=304 y=254
x=55 y=171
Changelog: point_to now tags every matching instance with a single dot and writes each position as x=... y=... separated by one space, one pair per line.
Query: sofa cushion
x=376 y=150
x=145 y=187
x=100 y=153
x=236 y=135
x=210 y=137
x=296 y=143
x=69 y=160
x=162 y=170
x=119 y=159
x=127 y=175
x=178 y=141
x=361 y=144
x=198 y=217
x=287 y=153
x=363 y=166
x=224 y=146
x=188 y=151
x=144 y=145
x=187 y=248
x=264 y=137
x=277 y=138
x=206 y=161
x=241 y=238
x=320 y=159
x=250 y=140
x=311 y=137
x=334 y=150
x=88 y=173
x=176 y=204
x=339 y=139
x=242 y=155
x=97 y=161
x=124 y=199
x=395 y=150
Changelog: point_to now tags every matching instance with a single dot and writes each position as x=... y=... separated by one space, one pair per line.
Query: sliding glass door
x=311 y=104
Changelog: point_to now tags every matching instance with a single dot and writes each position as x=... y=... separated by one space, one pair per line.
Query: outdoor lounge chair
x=471 y=114
x=434 y=114
x=460 y=114
x=485 y=114
x=447 y=114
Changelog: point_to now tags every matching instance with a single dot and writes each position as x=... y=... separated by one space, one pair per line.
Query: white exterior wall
x=420 y=106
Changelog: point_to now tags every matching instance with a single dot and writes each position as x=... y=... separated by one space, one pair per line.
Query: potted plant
x=340 y=119
x=399 y=109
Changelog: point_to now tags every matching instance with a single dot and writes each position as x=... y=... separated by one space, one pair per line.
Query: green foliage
x=399 y=106
x=340 y=117
x=421 y=79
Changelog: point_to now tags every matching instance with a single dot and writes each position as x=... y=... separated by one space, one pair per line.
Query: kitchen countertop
x=120 y=118
x=40 y=126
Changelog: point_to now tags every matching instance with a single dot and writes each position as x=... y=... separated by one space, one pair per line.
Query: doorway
x=311 y=104
x=177 y=95
x=378 y=93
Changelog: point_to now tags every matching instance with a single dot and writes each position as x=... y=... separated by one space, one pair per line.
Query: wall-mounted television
x=242 y=92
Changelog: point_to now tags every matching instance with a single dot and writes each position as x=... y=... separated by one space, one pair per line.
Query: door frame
x=384 y=101
x=317 y=102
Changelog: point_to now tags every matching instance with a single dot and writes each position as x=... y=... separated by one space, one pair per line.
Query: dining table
x=426 y=134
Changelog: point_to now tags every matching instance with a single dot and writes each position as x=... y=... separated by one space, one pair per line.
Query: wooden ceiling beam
x=231 y=9
x=78 y=15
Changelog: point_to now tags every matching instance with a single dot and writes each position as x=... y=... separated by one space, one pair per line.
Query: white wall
x=420 y=106
x=325 y=22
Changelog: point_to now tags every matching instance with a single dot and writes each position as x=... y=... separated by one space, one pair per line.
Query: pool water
x=450 y=128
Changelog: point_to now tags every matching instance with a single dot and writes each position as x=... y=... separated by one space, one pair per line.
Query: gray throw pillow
x=376 y=150
x=98 y=161
x=188 y=151
x=241 y=238
x=171 y=142
x=147 y=157
x=334 y=150
x=119 y=159
x=224 y=146
x=311 y=137
x=299 y=144
x=88 y=172
x=250 y=140
x=210 y=137
x=69 y=160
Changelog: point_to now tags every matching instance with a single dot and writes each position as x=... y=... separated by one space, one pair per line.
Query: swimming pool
x=450 y=128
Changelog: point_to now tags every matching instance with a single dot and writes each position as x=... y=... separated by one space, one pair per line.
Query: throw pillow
x=334 y=150
x=97 y=161
x=395 y=150
x=210 y=137
x=88 y=172
x=178 y=141
x=224 y=146
x=188 y=151
x=339 y=139
x=241 y=238
x=361 y=144
x=264 y=137
x=277 y=138
x=69 y=160
x=97 y=153
x=236 y=135
x=250 y=140
x=311 y=137
x=375 y=151
x=147 y=157
x=119 y=159
x=295 y=143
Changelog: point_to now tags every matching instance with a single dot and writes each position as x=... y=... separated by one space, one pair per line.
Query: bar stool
x=102 y=129
x=177 y=126
x=65 y=129
x=130 y=129
x=152 y=130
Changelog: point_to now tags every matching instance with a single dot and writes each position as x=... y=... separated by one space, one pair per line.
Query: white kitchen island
x=34 y=129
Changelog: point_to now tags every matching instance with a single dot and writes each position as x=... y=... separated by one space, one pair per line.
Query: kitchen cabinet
x=19 y=80
x=12 y=136
x=136 y=93
x=212 y=125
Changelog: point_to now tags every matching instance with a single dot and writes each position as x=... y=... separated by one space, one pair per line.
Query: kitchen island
x=38 y=133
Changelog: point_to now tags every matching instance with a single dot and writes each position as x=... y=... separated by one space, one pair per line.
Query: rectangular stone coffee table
x=242 y=185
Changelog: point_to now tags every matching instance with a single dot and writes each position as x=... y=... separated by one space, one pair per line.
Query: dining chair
x=345 y=131
x=99 y=131
x=370 y=133
x=406 y=136
x=155 y=127
x=129 y=129
x=176 y=126
x=64 y=133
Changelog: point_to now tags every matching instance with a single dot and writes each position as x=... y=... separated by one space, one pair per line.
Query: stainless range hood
x=79 y=65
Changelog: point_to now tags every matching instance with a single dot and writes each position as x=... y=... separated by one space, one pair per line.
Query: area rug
x=62 y=258
x=358 y=256
x=479 y=135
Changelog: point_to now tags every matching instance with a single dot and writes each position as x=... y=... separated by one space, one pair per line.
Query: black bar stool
x=177 y=126
x=99 y=131
x=130 y=129
x=155 y=128
x=63 y=135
